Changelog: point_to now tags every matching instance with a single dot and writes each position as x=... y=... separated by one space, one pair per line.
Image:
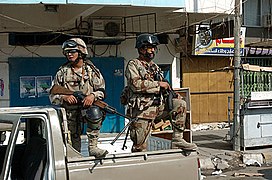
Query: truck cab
x=34 y=144
x=31 y=143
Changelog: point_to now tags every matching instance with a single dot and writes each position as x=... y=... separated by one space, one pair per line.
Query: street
x=212 y=147
x=249 y=171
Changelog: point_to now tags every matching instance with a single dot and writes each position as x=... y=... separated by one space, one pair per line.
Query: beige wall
x=4 y=99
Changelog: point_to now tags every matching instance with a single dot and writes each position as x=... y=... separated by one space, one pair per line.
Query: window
x=28 y=160
x=252 y=13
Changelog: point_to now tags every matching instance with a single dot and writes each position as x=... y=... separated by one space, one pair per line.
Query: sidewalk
x=215 y=153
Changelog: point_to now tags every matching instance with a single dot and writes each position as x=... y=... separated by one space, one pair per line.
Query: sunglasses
x=150 y=47
x=72 y=51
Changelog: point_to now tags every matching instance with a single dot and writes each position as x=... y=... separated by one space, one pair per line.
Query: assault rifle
x=170 y=93
x=57 y=89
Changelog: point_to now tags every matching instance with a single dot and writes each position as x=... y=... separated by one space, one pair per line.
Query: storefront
x=256 y=74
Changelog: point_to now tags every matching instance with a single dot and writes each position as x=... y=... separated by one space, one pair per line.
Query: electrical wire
x=32 y=52
x=63 y=31
x=101 y=54
x=8 y=54
x=22 y=22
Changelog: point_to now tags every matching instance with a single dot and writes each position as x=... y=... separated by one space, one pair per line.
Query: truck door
x=9 y=125
x=24 y=147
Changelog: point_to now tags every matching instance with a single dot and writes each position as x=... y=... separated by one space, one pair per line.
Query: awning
x=259 y=48
x=258 y=51
x=146 y=3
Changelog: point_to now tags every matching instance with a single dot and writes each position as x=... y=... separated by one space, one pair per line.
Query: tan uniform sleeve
x=56 y=99
x=137 y=84
x=98 y=85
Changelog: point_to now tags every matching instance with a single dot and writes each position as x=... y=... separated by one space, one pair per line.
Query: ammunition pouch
x=157 y=76
x=124 y=98
x=94 y=117
x=156 y=101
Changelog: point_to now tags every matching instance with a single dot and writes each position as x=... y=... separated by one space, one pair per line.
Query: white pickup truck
x=43 y=152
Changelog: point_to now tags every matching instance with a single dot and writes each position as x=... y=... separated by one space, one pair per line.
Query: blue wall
x=112 y=70
x=110 y=67
x=35 y=67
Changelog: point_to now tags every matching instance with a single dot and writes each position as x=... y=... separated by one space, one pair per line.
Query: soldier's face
x=150 y=49
x=71 y=55
x=149 y=52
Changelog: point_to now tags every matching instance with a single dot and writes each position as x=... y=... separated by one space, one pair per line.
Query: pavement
x=216 y=152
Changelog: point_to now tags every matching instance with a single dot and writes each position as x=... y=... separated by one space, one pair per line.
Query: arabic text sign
x=204 y=45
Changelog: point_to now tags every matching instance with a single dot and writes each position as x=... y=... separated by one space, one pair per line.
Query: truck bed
x=162 y=164
x=47 y=126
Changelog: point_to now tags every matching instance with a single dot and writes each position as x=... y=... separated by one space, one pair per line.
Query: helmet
x=146 y=39
x=75 y=44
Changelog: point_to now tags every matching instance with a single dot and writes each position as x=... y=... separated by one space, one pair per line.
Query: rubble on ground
x=209 y=126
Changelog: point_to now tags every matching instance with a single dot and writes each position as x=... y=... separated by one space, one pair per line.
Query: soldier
x=79 y=74
x=146 y=100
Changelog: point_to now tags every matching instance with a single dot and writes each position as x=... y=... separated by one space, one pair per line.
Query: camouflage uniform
x=88 y=80
x=147 y=103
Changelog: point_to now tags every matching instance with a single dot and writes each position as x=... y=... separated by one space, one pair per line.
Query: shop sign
x=205 y=45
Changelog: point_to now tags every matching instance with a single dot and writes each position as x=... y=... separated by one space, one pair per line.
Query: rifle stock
x=57 y=89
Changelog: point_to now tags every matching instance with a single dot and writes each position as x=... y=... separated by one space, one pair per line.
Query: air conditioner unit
x=267 y=20
x=106 y=27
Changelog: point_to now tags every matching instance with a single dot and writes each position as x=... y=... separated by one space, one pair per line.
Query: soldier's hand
x=70 y=99
x=88 y=100
x=164 y=85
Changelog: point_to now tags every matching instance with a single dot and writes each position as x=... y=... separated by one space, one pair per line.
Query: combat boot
x=179 y=143
x=182 y=144
x=94 y=150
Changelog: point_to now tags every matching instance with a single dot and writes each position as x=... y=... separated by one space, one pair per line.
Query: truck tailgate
x=163 y=164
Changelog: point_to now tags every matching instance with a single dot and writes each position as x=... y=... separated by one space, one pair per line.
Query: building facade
x=32 y=33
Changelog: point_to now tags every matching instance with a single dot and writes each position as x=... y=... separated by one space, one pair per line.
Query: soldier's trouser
x=93 y=134
x=75 y=128
x=177 y=115
x=139 y=132
x=178 y=118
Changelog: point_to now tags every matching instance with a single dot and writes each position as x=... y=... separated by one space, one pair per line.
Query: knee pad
x=94 y=117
